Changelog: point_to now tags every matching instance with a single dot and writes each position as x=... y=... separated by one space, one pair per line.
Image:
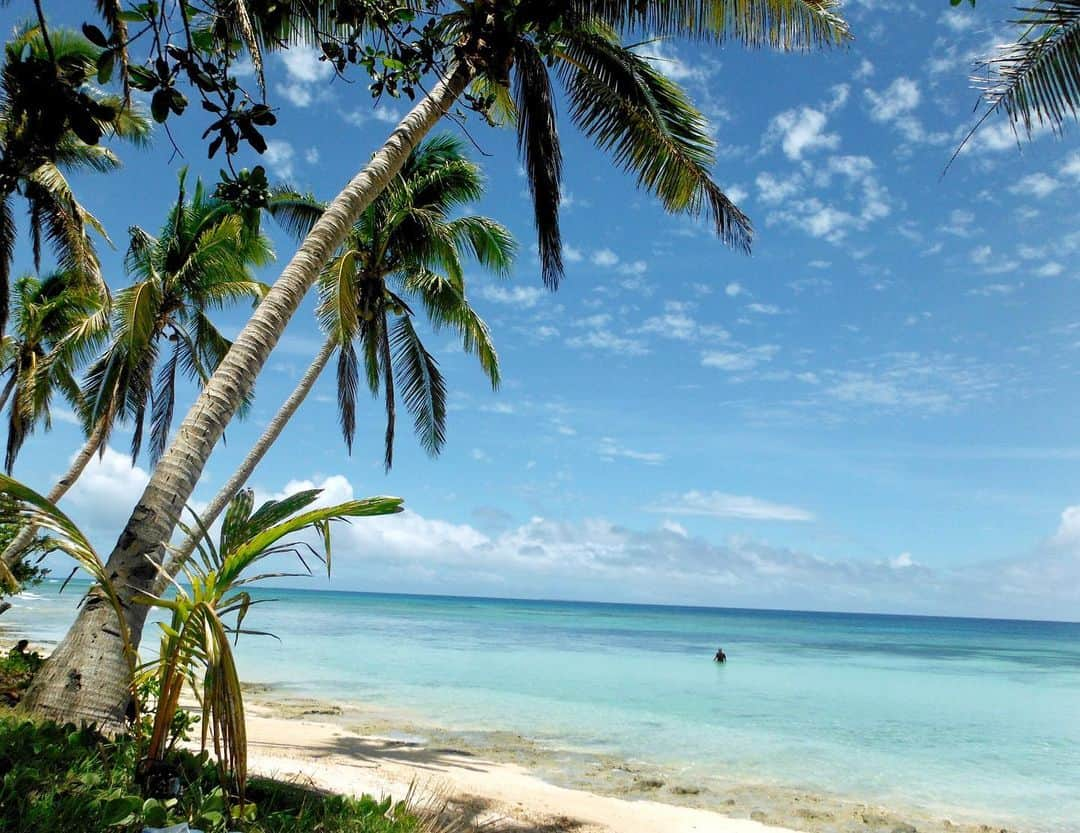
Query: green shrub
x=17 y=668
x=62 y=778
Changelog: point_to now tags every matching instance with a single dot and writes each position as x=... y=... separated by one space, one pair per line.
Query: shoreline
x=484 y=794
x=348 y=747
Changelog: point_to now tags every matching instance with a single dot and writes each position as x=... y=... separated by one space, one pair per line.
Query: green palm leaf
x=1036 y=81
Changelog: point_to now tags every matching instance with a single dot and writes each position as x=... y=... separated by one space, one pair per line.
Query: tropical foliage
x=1035 y=81
x=56 y=319
x=202 y=260
x=51 y=121
x=407 y=249
x=69 y=778
x=209 y=609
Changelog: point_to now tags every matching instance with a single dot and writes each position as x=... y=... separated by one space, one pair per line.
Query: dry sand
x=493 y=796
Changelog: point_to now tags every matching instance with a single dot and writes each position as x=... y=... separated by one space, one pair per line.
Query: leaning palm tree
x=502 y=50
x=51 y=119
x=1035 y=81
x=201 y=259
x=406 y=250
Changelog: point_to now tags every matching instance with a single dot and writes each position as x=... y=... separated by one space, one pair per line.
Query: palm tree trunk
x=20 y=542
x=254 y=457
x=87 y=677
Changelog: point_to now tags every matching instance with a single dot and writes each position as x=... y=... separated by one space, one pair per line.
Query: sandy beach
x=489 y=795
x=346 y=748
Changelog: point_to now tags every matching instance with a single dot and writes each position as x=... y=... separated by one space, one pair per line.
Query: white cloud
x=723 y=505
x=664 y=57
x=517 y=296
x=763 y=309
x=773 y=189
x=595 y=558
x=800 y=131
x=739 y=360
x=865 y=70
x=1050 y=270
x=736 y=193
x=572 y=254
x=912 y=381
x=604 y=257
x=602 y=338
x=1038 y=185
x=1071 y=167
x=102 y=498
x=900 y=97
x=306 y=75
x=677 y=323
x=609 y=450
x=279 y=158
x=734 y=289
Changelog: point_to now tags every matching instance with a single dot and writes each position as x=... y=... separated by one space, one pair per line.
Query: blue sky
x=875 y=411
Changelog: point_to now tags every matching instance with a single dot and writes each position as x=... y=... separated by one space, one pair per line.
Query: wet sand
x=504 y=781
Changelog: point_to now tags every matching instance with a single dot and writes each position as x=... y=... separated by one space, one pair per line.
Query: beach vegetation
x=204 y=615
x=57 y=777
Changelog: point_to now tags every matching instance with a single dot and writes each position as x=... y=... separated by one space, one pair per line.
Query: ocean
x=964 y=719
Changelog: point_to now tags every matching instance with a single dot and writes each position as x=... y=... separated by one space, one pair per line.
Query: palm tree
x=1035 y=81
x=55 y=318
x=50 y=121
x=201 y=261
x=404 y=249
x=501 y=49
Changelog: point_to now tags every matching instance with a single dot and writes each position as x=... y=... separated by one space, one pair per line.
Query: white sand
x=494 y=796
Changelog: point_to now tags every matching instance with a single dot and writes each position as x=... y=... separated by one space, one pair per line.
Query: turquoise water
x=953 y=717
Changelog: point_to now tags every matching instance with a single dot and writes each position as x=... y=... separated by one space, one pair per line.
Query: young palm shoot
x=209 y=609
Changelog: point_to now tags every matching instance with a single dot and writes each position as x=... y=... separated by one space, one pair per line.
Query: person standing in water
x=720 y=655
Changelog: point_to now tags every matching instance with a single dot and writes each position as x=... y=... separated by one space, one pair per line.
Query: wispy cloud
x=724 y=505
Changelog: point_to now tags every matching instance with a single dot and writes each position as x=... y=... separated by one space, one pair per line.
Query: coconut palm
x=201 y=261
x=1035 y=81
x=56 y=318
x=405 y=251
x=501 y=50
x=51 y=119
x=197 y=244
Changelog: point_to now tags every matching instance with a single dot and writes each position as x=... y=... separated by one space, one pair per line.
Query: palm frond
x=780 y=24
x=347 y=384
x=386 y=359
x=294 y=211
x=1036 y=80
x=538 y=143
x=492 y=244
x=649 y=125
x=163 y=403
x=422 y=384
x=7 y=254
